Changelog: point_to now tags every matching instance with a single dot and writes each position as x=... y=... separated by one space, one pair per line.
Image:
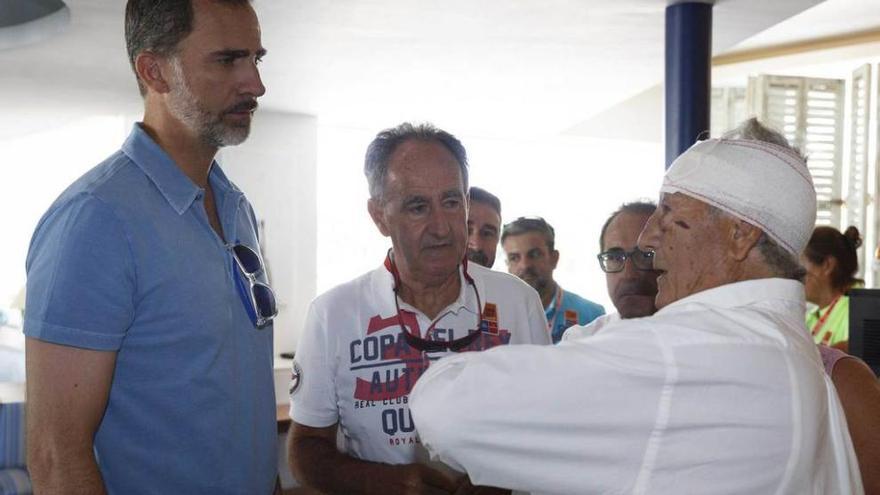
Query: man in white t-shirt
x=629 y=275
x=367 y=342
x=720 y=391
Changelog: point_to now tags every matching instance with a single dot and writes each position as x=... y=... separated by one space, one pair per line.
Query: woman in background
x=859 y=393
x=831 y=262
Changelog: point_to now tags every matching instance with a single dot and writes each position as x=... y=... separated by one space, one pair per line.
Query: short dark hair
x=640 y=207
x=481 y=195
x=383 y=146
x=159 y=26
x=523 y=225
x=829 y=242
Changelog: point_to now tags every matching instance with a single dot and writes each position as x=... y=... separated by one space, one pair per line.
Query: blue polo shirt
x=126 y=261
x=567 y=309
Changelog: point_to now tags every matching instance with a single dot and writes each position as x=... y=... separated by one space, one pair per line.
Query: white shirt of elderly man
x=721 y=391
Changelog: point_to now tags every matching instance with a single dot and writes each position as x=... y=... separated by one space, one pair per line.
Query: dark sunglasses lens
x=265 y=300
x=248 y=259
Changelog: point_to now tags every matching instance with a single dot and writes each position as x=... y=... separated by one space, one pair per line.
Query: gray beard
x=210 y=128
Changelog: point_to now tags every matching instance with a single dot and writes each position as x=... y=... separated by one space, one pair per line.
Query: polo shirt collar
x=169 y=179
x=745 y=293
x=466 y=300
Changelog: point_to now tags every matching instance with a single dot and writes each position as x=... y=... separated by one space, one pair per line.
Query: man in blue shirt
x=149 y=350
x=528 y=243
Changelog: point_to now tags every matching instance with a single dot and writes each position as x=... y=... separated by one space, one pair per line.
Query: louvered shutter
x=873 y=248
x=857 y=198
x=809 y=112
x=728 y=109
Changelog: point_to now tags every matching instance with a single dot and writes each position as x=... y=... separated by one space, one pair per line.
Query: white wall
x=276 y=169
x=39 y=157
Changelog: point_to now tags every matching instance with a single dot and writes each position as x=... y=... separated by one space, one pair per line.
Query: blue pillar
x=688 y=75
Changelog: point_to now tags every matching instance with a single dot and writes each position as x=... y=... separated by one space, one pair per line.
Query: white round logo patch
x=295 y=378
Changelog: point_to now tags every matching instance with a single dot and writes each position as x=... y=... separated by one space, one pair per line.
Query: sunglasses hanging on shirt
x=258 y=298
x=425 y=345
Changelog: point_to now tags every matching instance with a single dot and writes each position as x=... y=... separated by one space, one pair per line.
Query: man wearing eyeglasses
x=366 y=343
x=529 y=246
x=629 y=274
x=484 y=226
x=720 y=391
x=149 y=350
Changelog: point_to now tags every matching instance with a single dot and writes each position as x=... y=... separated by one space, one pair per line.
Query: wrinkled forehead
x=425 y=174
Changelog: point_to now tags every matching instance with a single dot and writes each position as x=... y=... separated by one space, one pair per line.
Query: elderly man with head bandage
x=721 y=391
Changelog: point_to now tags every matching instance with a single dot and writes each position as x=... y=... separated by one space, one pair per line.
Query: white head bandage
x=764 y=184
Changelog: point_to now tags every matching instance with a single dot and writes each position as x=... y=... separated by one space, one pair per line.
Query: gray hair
x=780 y=261
x=753 y=130
x=387 y=141
x=159 y=26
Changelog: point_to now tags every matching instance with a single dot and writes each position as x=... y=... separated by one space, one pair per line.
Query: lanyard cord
x=817 y=327
x=556 y=305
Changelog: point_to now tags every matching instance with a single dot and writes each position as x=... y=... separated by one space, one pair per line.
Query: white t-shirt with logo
x=354 y=367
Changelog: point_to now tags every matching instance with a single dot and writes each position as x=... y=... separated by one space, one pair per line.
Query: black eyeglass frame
x=645 y=256
x=260 y=321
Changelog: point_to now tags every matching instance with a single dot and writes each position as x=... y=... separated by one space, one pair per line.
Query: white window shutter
x=873 y=248
x=728 y=109
x=857 y=198
x=809 y=113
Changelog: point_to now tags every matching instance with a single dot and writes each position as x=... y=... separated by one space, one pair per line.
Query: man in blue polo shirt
x=149 y=350
x=529 y=246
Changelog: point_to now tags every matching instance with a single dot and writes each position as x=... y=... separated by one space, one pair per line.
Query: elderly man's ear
x=743 y=237
x=374 y=206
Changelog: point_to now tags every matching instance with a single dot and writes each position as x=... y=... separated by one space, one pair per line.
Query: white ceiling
x=496 y=68
x=829 y=18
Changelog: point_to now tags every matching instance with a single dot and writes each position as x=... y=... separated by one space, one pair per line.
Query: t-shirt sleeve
x=313 y=391
x=81 y=277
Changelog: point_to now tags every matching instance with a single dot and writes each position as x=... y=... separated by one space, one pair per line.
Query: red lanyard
x=556 y=304
x=817 y=327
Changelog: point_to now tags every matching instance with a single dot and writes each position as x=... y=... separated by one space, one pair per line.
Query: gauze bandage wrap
x=764 y=184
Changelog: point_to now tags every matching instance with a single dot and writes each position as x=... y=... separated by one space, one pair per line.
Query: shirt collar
x=743 y=293
x=172 y=183
x=467 y=300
